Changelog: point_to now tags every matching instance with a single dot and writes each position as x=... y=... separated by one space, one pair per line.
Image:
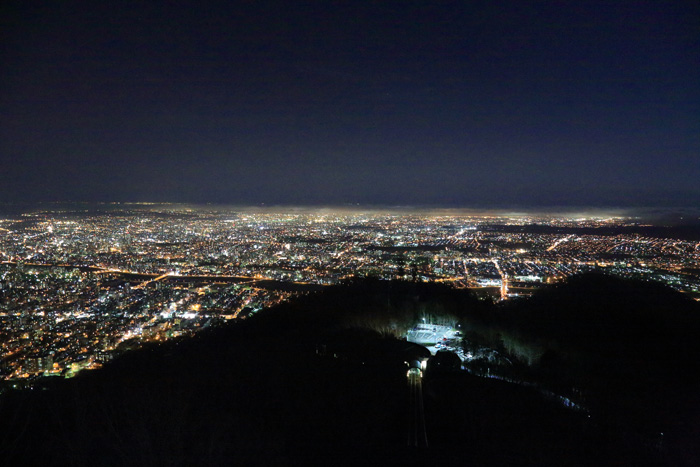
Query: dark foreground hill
x=627 y=350
x=321 y=381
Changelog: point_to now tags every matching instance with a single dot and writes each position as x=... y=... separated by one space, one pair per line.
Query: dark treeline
x=322 y=381
x=627 y=350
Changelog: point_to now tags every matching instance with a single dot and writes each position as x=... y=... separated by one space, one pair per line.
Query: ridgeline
x=322 y=381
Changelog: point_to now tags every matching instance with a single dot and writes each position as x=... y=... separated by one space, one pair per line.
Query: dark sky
x=468 y=103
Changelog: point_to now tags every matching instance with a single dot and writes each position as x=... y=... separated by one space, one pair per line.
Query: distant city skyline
x=456 y=104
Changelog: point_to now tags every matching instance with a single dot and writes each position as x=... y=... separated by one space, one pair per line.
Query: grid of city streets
x=80 y=286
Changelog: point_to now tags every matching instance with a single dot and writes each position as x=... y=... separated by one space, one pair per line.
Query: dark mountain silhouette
x=322 y=381
x=626 y=349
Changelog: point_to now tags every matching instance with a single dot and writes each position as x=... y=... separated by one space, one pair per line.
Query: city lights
x=76 y=289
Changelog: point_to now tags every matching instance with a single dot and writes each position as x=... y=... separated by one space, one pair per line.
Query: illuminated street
x=77 y=289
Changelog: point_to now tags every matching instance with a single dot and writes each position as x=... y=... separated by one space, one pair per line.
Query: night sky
x=469 y=103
